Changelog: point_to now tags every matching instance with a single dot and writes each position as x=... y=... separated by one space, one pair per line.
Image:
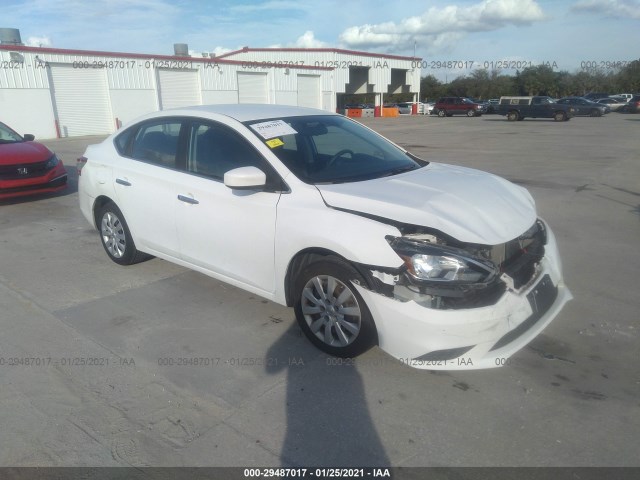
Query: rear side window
x=157 y=143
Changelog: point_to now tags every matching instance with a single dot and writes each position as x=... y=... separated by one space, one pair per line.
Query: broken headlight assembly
x=441 y=264
x=440 y=276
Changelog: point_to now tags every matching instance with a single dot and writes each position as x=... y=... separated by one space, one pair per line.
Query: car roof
x=244 y=112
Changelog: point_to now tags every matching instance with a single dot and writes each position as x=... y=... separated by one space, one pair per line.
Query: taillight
x=82 y=161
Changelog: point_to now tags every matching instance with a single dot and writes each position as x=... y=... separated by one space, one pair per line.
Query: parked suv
x=447 y=106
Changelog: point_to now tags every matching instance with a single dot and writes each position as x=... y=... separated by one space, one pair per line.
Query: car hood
x=469 y=205
x=23 y=152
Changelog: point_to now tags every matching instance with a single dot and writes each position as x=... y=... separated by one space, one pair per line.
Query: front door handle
x=190 y=200
x=123 y=182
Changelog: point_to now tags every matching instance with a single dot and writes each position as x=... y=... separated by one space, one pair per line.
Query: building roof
x=320 y=50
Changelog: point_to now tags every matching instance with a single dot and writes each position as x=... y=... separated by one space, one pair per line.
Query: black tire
x=520 y=118
x=116 y=237
x=442 y=113
x=596 y=113
x=471 y=113
x=560 y=116
x=321 y=313
x=513 y=115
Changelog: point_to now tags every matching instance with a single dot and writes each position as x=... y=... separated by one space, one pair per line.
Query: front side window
x=157 y=143
x=214 y=149
x=332 y=149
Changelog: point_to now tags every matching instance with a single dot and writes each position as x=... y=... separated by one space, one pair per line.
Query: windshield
x=7 y=135
x=332 y=149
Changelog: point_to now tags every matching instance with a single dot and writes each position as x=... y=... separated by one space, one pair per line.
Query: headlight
x=52 y=162
x=439 y=263
x=444 y=268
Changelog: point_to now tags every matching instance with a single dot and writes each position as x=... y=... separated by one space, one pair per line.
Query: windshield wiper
x=399 y=170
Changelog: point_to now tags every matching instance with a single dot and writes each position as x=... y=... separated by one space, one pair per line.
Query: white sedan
x=612 y=103
x=443 y=267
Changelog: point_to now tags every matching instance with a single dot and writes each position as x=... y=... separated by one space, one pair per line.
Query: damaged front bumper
x=471 y=338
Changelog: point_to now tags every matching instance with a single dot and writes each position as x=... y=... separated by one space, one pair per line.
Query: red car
x=27 y=167
x=448 y=106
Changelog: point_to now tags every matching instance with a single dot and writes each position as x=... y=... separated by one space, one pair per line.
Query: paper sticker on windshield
x=275 y=128
x=274 y=142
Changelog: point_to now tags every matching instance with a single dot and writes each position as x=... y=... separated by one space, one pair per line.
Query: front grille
x=58 y=182
x=518 y=257
x=14 y=172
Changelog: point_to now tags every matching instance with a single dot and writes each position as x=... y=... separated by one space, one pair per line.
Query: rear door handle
x=190 y=200
x=123 y=182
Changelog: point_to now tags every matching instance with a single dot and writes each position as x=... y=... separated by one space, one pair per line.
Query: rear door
x=144 y=184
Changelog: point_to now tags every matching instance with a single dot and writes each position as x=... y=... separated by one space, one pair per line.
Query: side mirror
x=28 y=137
x=245 y=178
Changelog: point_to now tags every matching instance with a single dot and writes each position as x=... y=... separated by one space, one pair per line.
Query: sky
x=452 y=37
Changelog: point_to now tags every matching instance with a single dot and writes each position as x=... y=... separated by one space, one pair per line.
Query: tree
x=538 y=80
x=430 y=88
x=628 y=79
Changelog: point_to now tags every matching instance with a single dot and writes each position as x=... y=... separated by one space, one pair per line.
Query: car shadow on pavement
x=328 y=421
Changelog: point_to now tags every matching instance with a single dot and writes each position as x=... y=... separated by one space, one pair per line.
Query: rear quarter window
x=123 y=140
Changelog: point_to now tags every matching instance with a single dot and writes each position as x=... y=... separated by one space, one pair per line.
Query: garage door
x=178 y=88
x=252 y=88
x=81 y=100
x=309 y=91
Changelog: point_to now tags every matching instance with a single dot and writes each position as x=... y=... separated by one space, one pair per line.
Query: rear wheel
x=116 y=236
x=330 y=311
x=512 y=116
x=596 y=113
x=442 y=113
x=559 y=116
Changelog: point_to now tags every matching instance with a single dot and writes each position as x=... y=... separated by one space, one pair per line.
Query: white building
x=58 y=92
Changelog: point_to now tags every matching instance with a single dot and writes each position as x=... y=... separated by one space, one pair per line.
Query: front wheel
x=560 y=116
x=442 y=113
x=471 y=113
x=330 y=311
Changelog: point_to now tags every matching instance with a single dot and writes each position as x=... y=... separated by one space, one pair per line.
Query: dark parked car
x=447 y=106
x=583 y=107
x=27 y=167
x=492 y=103
x=633 y=105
